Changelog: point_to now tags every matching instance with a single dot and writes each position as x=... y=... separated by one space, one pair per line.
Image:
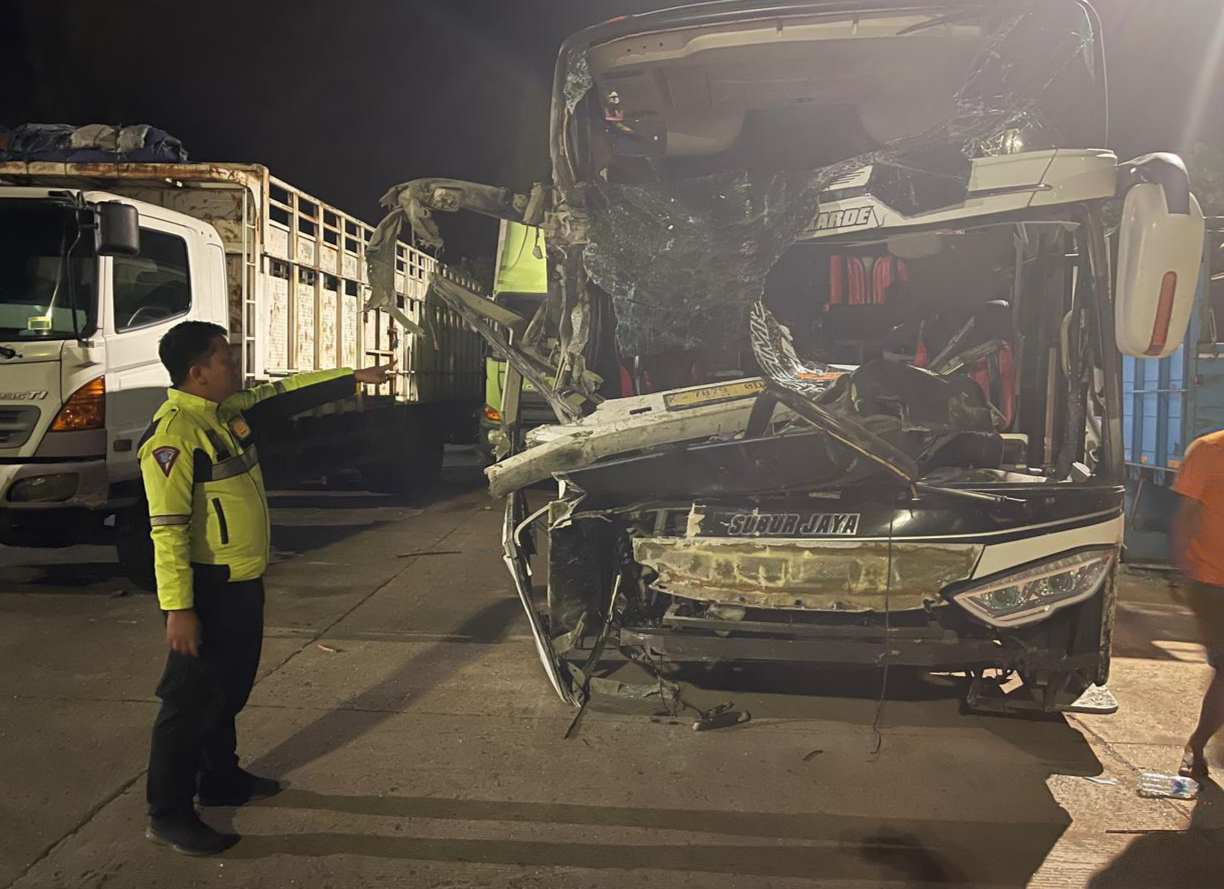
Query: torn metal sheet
x=489 y=319
x=516 y=561
x=805 y=575
x=412 y=204
x=381 y=266
x=626 y=424
x=415 y=202
x=802 y=460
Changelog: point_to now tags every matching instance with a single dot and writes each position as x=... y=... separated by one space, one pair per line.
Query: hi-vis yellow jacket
x=201 y=473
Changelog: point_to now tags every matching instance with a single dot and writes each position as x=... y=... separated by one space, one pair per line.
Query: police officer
x=210 y=529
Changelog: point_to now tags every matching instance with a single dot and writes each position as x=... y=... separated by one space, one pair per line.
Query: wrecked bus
x=832 y=339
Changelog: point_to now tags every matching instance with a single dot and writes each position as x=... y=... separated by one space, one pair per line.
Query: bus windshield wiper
x=967 y=494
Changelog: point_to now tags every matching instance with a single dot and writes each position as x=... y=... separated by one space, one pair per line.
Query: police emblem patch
x=165 y=458
x=239 y=427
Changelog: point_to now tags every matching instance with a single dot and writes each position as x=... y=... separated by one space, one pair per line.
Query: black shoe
x=188 y=835
x=237 y=789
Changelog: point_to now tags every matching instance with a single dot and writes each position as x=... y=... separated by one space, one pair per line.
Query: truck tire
x=134 y=546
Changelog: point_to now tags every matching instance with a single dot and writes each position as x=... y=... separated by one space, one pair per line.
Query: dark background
x=344 y=99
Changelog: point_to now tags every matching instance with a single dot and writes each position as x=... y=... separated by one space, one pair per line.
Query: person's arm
x=1185 y=528
x=1190 y=485
x=303 y=391
x=169 y=477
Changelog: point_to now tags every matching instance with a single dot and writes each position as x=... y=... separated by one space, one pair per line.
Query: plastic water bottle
x=1155 y=784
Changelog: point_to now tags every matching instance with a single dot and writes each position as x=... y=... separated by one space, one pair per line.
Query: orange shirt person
x=1198 y=548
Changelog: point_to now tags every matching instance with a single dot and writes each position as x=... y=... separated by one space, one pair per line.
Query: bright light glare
x=1204 y=86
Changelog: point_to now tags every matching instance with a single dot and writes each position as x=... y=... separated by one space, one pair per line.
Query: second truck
x=81 y=314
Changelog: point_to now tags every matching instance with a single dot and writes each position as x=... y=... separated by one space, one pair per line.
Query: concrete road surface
x=401 y=700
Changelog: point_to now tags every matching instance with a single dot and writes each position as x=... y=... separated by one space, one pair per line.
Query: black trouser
x=194 y=736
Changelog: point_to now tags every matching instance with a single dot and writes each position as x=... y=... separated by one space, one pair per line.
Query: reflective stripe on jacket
x=203 y=482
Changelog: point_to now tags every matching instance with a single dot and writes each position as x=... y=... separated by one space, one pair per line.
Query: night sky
x=345 y=99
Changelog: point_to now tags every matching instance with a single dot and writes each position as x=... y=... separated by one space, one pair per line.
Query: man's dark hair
x=187 y=344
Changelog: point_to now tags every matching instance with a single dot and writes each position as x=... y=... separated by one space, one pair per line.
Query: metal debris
x=1096 y=699
x=723 y=719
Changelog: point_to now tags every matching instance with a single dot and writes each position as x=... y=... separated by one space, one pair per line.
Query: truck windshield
x=39 y=291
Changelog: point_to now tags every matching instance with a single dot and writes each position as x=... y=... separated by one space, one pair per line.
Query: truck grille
x=16 y=424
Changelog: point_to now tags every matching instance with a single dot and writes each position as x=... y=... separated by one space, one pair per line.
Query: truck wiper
x=969 y=495
x=66 y=267
x=64 y=281
x=6 y=352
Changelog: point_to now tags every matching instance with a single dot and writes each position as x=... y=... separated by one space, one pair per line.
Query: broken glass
x=683 y=259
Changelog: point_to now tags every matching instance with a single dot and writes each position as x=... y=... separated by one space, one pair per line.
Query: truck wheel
x=134 y=546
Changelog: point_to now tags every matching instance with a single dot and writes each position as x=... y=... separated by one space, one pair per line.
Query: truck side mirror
x=1160 y=250
x=118 y=229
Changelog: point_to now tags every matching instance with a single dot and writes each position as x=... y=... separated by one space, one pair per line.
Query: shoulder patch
x=165 y=458
x=239 y=427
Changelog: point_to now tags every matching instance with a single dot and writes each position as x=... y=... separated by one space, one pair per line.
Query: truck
x=833 y=342
x=520 y=284
x=99 y=260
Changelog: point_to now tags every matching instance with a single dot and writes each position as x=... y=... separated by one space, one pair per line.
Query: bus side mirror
x=118 y=229
x=1160 y=250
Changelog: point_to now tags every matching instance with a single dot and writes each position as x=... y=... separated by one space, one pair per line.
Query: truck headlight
x=84 y=409
x=1033 y=592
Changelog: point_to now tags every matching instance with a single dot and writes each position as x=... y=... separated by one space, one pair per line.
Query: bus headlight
x=1033 y=592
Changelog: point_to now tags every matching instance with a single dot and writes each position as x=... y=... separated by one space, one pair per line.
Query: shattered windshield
x=927 y=352
x=709 y=154
x=38 y=290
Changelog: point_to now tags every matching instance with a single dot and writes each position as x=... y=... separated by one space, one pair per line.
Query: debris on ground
x=329 y=649
x=1161 y=786
x=721 y=716
x=1096 y=699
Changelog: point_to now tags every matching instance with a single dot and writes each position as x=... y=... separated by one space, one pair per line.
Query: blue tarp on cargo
x=93 y=143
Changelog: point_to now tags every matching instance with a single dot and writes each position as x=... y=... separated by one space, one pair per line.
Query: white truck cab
x=79 y=369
